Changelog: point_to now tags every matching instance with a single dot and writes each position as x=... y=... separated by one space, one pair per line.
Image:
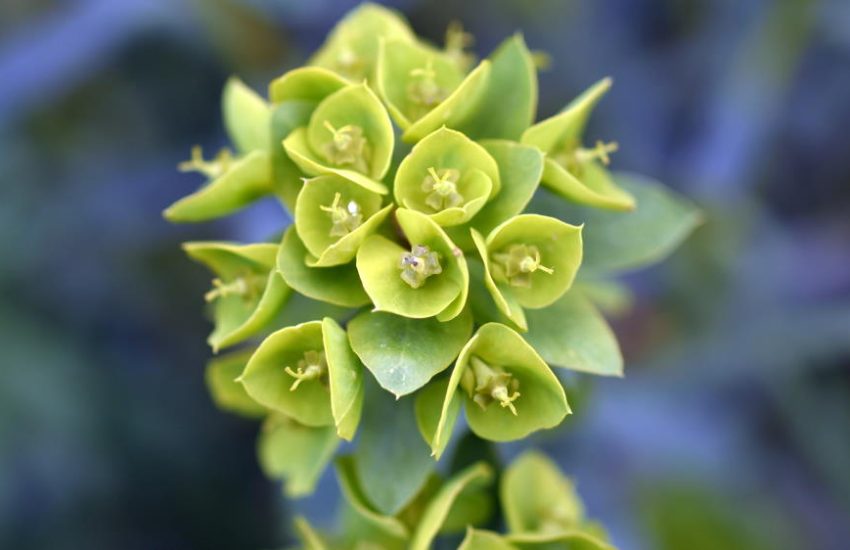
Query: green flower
x=507 y=390
x=429 y=278
x=351 y=49
x=425 y=89
x=308 y=373
x=447 y=176
x=349 y=134
x=333 y=216
x=246 y=294
x=529 y=261
x=573 y=171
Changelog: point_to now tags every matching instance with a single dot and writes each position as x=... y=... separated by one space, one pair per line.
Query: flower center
x=488 y=383
x=457 y=43
x=345 y=219
x=572 y=156
x=423 y=91
x=212 y=168
x=442 y=189
x=516 y=264
x=313 y=366
x=349 y=63
x=247 y=286
x=419 y=264
x=349 y=147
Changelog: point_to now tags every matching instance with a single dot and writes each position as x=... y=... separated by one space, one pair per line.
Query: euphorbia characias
x=425 y=297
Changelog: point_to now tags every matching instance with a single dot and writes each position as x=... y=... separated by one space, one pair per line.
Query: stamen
x=349 y=147
x=457 y=42
x=419 y=264
x=490 y=384
x=312 y=367
x=442 y=189
x=345 y=219
x=516 y=264
x=600 y=151
x=245 y=286
x=210 y=168
x=572 y=156
x=423 y=91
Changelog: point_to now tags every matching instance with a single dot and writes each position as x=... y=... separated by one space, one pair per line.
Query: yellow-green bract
x=444 y=253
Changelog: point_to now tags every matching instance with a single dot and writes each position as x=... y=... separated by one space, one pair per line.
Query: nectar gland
x=345 y=219
x=313 y=366
x=247 y=286
x=419 y=264
x=442 y=189
x=487 y=384
x=348 y=147
x=212 y=168
x=518 y=262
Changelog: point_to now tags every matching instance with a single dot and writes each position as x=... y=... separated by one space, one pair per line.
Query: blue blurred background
x=732 y=427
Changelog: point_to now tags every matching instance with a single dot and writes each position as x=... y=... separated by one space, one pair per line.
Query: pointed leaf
x=501 y=293
x=615 y=241
x=572 y=333
x=247 y=117
x=353 y=493
x=593 y=188
x=402 y=353
x=509 y=102
x=345 y=376
x=392 y=461
x=288 y=178
x=294 y=453
x=433 y=417
x=477 y=539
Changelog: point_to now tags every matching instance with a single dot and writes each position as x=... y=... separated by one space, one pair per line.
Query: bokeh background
x=732 y=427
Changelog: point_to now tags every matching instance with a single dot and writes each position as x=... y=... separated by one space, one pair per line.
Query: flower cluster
x=417 y=258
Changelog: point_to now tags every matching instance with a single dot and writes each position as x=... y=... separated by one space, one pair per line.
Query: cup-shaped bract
x=447 y=176
x=332 y=217
x=573 y=171
x=428 y=279
x=351 y=49
x=228 y=394
x=349 y=134
x=535 y=257
x=247 y=292
x=311 y=84
x=508 y=391
x=424 y=88
x=308 y=373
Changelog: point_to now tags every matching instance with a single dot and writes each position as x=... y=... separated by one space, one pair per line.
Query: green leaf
x=351 y=49
x=345 y=377
x=404 y=354
x=226 y=392
x=269 y=383
x=594 y=187
x=478 y=539
x=447 y=153
x=246 y=180
x=560 y=249
x=438 y=509
x=286 y=117
x=509 y=102
x=443 y=294
x=337 y=285
x=430 y=415
x=537 y=497
x=319 y=202
x=247 y=117
x=453 y=110
x=541 y=402
x=392 y=461
x=571 y=333
x=481 y=302
x=353 y=493
x=616 y=242
x=295 y=453
x=307 y=84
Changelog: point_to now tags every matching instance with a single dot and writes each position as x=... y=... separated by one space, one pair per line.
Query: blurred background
x=732 y=427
